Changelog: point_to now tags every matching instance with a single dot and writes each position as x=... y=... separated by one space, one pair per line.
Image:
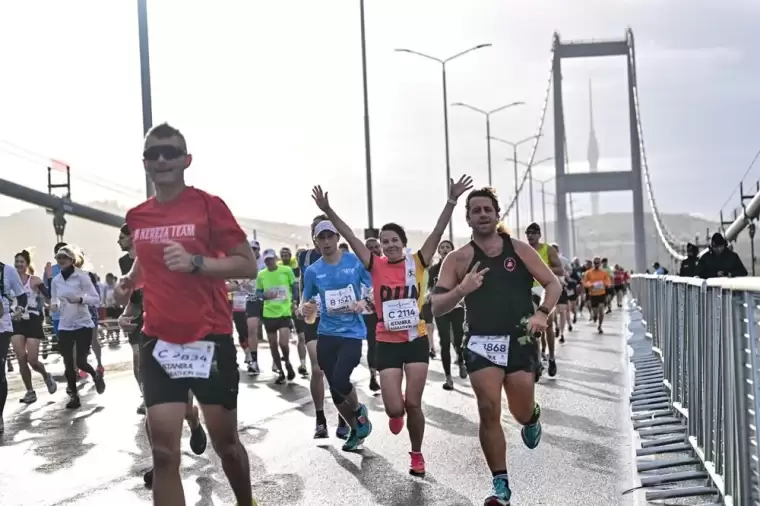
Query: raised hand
x=320 y=198
x=461 y=186
x=473 y=279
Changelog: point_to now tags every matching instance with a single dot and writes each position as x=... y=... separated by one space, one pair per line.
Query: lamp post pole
x=443 y=63
x=487 y=115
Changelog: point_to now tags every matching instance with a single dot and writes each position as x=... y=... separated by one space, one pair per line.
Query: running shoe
x=82 y=374
x=280 y=379
x=363 y=425
x=51 y=384
x=449 y=383
x=74 y=403
x=342 y=431
x=253 y=369
x=531 y=435
x=500 y=494
x=552 y=368
x=353 y=442
x=100 y=384
x=417 y=466
x=29 y=398
x=198 y=440
x=291 y=372
x=396 y=425
x=302 y=371
x=100 y=370
x=321 y=431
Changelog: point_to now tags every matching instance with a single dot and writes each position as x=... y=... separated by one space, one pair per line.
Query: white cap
x=254 y=244
x=269 y=253
x=324 y=225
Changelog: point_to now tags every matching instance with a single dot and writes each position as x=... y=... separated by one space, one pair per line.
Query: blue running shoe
x=342 y=431
x=363 y=425
x=500 y=495
x=531 y=435
x=353 y=442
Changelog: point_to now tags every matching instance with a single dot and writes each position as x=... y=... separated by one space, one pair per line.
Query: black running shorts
x=220 y=388
x=522 y=357
x=395 y=355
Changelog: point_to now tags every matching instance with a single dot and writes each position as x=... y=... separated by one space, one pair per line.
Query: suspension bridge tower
x=593 y=151
x=599 y=181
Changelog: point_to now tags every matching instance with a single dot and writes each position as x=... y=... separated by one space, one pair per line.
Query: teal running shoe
x=353 y=442
x=531 y=435
x=500 y=494
x=363 y=425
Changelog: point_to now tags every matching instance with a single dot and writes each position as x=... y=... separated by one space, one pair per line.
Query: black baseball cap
x=533 y=227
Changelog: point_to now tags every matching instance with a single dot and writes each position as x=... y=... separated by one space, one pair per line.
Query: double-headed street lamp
x=515 y=145
x=530 y=179
x=543 y=199
x=487 y=114
x=443 y=63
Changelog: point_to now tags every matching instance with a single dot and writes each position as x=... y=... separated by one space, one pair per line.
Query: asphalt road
x=52 y=457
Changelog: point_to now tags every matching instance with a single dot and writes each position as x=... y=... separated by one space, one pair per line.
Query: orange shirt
x=399 y=296
x=597 y=281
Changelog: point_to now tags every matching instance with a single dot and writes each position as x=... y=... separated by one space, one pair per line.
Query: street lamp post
x=443 y=63
x=147 y=104
x=370 y=231
x=487 y=114
x=515 y=145
x=543 y=199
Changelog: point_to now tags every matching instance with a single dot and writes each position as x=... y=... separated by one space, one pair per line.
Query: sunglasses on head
x=169 y=152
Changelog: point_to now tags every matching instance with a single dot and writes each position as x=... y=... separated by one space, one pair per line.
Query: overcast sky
x=269 y=97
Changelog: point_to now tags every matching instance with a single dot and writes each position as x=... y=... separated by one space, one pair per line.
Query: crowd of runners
x=189 y=275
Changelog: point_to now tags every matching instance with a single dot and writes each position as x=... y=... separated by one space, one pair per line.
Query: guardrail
x=704 y=336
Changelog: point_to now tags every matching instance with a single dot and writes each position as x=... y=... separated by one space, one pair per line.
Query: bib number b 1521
x=495 y=349
x=192 y=360
x=341 y=300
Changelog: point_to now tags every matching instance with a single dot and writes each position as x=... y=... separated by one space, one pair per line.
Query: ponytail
x=502 y=229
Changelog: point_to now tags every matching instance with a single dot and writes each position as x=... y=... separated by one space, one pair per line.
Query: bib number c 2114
x=192 y=360
x=495 y=349
x=402 y=314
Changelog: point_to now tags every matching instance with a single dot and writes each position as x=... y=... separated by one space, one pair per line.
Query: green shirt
x=281 y=281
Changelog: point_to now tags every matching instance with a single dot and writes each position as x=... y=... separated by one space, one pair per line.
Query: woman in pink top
x=402 y=344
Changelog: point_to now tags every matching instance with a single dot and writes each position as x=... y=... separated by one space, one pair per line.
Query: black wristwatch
x=544 y=310
x=197 y=262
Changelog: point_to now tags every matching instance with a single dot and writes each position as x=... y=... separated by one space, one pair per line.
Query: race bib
x=598 y=285
x=495 y=349
x=401 y=314
x=192 y=360
x=340 y=301
x=280 y=293
x=570 y=291
x=238 y=301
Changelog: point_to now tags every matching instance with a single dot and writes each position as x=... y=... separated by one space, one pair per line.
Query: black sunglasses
x=153 y=153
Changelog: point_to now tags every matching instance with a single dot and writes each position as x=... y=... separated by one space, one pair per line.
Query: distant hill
x=609 y=235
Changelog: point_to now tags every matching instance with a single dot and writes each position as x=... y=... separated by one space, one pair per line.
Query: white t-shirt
x=12 y=288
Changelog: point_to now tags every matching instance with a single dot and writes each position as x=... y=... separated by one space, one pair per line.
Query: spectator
x=720 y=261
x=689 y=264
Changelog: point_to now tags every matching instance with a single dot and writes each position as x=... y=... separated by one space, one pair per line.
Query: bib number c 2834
x=192 y=360
x=402 y=314
x=341 y=300
x=495 y=349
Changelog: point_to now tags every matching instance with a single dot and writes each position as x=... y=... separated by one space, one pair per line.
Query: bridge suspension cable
x=666 y=238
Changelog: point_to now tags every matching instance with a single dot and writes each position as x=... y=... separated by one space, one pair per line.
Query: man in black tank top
x=494 y=274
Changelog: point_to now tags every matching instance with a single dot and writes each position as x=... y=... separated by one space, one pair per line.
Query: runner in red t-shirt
x=187 y=243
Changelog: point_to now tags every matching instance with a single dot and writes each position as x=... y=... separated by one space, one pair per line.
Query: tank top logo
x=509 y=264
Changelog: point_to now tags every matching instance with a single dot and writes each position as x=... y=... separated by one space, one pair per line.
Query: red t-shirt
x=182 y=307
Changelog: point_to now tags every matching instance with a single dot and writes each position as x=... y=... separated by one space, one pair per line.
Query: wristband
x=544 y=310
x=459 y=288
x=451 y=201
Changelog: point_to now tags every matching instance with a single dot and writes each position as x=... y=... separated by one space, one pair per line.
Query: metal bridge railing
x=707 y=337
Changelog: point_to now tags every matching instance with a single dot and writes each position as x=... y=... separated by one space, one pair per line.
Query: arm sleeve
x=53 y=291
x=14 y=282
x=225 y=232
